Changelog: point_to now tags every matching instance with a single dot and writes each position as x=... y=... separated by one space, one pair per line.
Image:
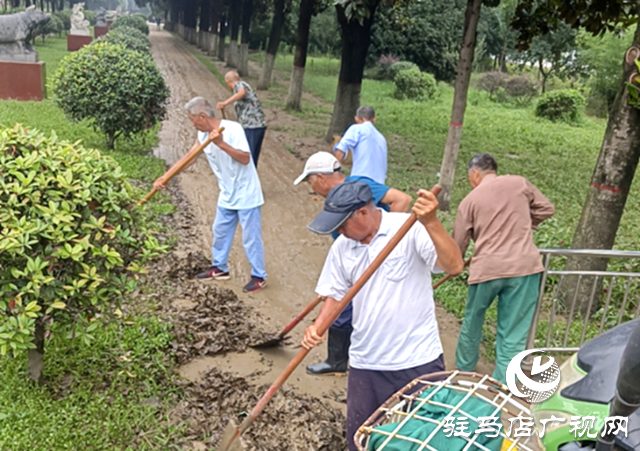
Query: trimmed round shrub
x=131 y=38
x=401 y=65
x=136 y=22
x=53 y=26
x=120 y=90
x=65 y=17
x=561 y=105
x=90 y=16
x=69 y=245
x=491 y=82
x=415 y=85
x=521 y=90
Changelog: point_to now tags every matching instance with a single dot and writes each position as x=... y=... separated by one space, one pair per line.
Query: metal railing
x=574 y=306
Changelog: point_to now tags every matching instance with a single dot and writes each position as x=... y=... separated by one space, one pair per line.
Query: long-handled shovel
x=231 y=438
x=179 y=165
x=277 y=339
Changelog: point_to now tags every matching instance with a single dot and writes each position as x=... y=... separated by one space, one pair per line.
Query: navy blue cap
x=340 y=204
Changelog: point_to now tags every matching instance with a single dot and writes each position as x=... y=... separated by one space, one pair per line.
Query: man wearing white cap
x=323 y=172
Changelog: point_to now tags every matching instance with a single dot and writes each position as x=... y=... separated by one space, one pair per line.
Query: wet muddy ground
x=214 y=323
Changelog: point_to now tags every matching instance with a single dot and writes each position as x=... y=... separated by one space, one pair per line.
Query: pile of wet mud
x=289 y=422
x=218 y=322
x=209 y=320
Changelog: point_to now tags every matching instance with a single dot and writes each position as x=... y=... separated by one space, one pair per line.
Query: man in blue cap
x=323 y=172
x=395 y=333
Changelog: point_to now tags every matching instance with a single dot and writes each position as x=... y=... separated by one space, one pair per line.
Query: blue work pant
x=224 y=227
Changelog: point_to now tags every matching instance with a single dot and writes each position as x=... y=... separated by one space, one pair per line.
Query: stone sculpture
x=16 y=32
x=113 y=15
x=79 y=26
x=101 y=18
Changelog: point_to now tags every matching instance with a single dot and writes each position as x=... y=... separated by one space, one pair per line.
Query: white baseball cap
x=319 y=163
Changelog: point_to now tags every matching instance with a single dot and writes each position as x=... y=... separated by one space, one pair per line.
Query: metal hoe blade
x=269 y=342
x=231 y=440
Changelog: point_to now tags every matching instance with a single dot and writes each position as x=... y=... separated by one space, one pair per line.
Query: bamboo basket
x=404 y=405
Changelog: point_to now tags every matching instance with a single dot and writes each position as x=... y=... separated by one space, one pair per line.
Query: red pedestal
x=109 y=22
x=22 y=81
x=99 y=31
x=76 y=42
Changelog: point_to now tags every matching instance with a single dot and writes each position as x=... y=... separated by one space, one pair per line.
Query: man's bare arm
x=237 y=96
x=238 y=155
x=449 y=257
x=397 y=200
x=311 y=338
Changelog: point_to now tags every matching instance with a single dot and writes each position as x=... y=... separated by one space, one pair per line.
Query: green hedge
x=415 y=85
x=561 y=105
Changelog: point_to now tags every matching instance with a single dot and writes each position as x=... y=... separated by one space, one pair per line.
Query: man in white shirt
x=395 y=333
x=368 y=146
x=240 y=195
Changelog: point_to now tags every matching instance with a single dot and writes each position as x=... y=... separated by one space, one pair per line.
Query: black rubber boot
x=337 y=354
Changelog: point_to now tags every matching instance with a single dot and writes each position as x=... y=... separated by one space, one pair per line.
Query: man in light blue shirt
x=368 y=147
x=240 y=195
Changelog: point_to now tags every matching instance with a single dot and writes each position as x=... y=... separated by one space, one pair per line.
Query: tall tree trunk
x=243 y=62
x=300 y=58
x=216 y=10
x=355 y=43
x=175 y=14
x=272 y=48
x=502 y=60
x=222 y=35
x=36 y=356
x=452 y=146
x=235 y=15
x=205 y=23
x=611 y=180
x=190 y=20
x=542 y=74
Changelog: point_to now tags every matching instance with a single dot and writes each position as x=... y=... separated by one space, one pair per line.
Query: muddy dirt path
x=294 y=256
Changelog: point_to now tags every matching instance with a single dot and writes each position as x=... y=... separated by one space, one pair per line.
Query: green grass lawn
x=107 y=395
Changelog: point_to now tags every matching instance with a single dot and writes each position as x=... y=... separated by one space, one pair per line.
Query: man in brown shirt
x=500 y=215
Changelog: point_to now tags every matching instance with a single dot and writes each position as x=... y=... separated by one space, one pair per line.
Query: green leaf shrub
x=120 y=90
x=90 y=16
x=519 y=90
x=65 y=17
x=131 y=38
x=69 y=245
x=400 y=65
x=415 y=85
x=133 y=22
x=561 y=105
x=491 y=82
x=53 y=26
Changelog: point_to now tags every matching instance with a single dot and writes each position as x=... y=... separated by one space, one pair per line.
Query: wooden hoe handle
x=324 y=326
x=179 y=166
x=300 y=317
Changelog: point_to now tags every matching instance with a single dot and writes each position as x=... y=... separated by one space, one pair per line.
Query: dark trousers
x=344 y=320
x=255 y=137
x=368 y=389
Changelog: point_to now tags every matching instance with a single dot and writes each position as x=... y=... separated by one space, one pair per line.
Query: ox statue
x=16 y=32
